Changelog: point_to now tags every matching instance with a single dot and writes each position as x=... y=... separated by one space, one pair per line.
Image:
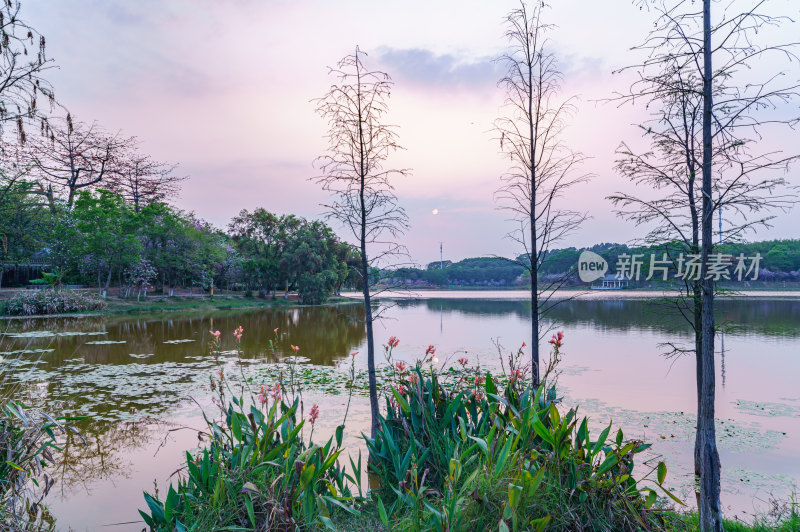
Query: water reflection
x=612 y=365
x=739 y=316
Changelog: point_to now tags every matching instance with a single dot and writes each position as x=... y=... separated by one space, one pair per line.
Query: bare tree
x=353 y=171
x=141 y=180
x=22 y=62
x=542 y=166
x=704 y=137
x=70 y=156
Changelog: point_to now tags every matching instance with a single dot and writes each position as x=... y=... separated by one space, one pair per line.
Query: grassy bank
x=158 y=304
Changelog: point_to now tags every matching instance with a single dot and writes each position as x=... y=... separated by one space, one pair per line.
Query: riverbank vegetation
x=456 y=450
x=29 y=446
x=103 y=239
x=452 y=453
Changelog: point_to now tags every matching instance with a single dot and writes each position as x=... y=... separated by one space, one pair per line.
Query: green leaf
x=156 y=509
x=339 y=435
x=601 y=440
x=327 y=522
x=535 y=481
x=490 y=386
x=15 y=466
x=170 y=504
x=382 y=512
x=482 y=444
x=514 y=494
x=610 y=461
x=250 y=512
x=307 y=474
x=502 y=526
x=651 y=498
x=401 y=401
x=539 y=525
x=662 y=472
x=543 y=433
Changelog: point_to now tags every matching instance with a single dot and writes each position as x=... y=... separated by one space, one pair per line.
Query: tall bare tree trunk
x=373 y=384
x=697 y=308
x=710 y=511
x=533 y=125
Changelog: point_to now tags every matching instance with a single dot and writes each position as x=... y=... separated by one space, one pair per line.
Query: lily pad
x=27 y=352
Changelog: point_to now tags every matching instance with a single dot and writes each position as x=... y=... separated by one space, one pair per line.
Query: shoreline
x=524 y=295
x=176 y=304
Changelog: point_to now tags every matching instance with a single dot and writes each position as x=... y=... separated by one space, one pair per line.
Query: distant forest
x=780 y=262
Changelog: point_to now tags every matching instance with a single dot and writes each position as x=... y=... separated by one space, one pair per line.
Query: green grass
x=179 y=303
x=690 y=522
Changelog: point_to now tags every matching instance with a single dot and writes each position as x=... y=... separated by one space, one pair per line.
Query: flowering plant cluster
x=38 y=302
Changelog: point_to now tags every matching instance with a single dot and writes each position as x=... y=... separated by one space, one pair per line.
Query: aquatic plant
x=478 y=456
x=257 y=471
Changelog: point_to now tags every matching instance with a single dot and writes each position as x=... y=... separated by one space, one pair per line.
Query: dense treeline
x=481 y=271
x=779 y=261
x=104 y=239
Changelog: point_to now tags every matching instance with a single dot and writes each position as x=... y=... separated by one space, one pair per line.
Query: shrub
x=52 y=302
x=469 y=456
x=257 y=472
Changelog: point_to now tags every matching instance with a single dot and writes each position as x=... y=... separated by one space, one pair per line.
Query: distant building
x=436 y=265
x=611 y=281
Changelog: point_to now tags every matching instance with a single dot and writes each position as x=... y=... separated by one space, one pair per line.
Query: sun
x=435 y=212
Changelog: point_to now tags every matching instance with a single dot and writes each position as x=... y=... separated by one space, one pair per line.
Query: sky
x=224 y=88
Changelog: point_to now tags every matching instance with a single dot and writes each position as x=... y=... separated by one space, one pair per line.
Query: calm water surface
x=143 y=380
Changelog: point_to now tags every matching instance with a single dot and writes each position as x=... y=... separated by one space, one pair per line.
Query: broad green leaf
x=662 y=472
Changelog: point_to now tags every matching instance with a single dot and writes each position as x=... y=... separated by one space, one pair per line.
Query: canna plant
x=472 y=455
x=257 y=472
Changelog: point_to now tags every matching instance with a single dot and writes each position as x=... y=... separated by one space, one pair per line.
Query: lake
x=143 y=381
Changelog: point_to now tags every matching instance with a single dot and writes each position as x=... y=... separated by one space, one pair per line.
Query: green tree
x=107 y=227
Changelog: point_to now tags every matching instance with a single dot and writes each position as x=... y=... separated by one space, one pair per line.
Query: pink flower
x=354 y=353
x=516 y=375
x=276 y=392
x=275 y=330
x=238 y=333
x=312 y=416
x=220 y=373
x=262 y=399
x=413 y=379
x=463 y=361
x=393 y=341
x=215 y=334
x=479 y=380
x=400 y=366
x=401 y=389
x=557 y=340
x=295 y=348
x=431 y=350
